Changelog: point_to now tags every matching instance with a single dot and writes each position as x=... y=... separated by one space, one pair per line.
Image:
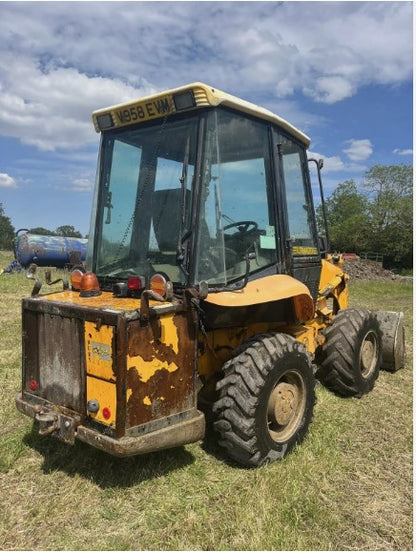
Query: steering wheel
x=243 y=226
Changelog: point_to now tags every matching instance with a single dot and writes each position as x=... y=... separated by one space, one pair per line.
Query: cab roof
x=185 y=98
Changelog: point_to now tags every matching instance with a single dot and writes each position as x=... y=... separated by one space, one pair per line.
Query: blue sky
x=339 y=71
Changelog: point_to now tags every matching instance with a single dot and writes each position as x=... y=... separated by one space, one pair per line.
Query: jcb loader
x=207 y=290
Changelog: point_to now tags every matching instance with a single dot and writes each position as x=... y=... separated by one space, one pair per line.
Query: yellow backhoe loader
x=208 y=290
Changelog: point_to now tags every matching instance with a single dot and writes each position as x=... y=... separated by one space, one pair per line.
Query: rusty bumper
x=68 y=428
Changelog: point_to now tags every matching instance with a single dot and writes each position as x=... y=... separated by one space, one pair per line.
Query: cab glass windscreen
x=147 y=174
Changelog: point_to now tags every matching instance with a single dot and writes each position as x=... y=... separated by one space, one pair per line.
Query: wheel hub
x=368 y=354
x=283 y=403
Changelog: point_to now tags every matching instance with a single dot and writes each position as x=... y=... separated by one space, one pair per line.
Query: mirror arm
x=319 y=164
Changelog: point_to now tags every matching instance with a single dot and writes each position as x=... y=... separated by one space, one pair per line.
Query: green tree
x=348 y=218
x=6 y=231
x=42 y=231
x=68 y=231
x=390 y=190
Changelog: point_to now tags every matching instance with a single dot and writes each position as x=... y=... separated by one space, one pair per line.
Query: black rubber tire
x=350 y=359
x=266 y=399
x=393 y=345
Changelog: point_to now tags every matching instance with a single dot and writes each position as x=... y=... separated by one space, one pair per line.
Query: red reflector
x=76 y=277
x=106 y=413
x=135 y=282
x=158 y=284
x=89 y=285
x=33 y=385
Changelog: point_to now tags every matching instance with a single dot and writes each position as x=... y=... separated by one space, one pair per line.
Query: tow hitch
x=55 y=423
x=48 y=421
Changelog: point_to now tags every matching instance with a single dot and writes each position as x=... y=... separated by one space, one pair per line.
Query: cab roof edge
x=216 y=97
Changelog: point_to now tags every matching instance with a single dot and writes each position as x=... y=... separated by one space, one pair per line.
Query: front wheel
x=351 y=355
x=266 y=399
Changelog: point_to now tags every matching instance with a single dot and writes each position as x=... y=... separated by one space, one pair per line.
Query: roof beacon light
x=76 y=277
x=89 y=285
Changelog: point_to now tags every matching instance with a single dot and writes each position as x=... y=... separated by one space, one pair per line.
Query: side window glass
x=299 y=207
x=237 y=201
x=119 y=207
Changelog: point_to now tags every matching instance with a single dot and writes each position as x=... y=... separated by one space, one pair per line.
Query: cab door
x=297 y=215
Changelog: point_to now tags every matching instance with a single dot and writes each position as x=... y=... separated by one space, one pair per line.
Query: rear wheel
x=350 y=359
x=266 y=399
x=393 y=346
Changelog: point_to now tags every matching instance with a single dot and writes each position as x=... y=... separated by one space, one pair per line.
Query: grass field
x=347 y=487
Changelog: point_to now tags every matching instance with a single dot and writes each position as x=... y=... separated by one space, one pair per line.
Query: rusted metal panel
x=53 y=359
x=160 y=368
x=61 y=360
x=55 y=307
x=30 y=347
x=121 y=372
x=186 y=431
x=152 y=365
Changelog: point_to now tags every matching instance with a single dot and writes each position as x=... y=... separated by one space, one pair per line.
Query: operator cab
x=213 y=194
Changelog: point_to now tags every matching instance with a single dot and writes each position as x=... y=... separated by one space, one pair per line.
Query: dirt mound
x=363 y=269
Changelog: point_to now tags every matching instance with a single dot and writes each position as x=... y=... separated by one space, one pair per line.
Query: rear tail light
x=159 y=284
x=135 y=283
x=33 y=385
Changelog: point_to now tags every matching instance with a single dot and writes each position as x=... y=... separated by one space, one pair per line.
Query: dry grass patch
x=347 y=487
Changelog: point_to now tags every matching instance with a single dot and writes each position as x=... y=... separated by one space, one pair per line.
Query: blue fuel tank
x=56 y=251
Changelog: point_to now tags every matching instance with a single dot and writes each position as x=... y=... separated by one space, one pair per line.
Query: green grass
x=347 y=487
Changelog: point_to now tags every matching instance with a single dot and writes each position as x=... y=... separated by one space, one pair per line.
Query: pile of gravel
x=363 y=269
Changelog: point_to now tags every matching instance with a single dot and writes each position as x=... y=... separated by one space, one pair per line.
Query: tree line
x=377 y=218
x=8 y=232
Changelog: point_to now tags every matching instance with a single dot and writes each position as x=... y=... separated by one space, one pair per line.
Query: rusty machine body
x=208 y=289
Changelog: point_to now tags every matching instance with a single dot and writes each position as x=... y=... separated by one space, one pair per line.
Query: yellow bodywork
x=332 y=285
x=99 y=350
x=104 y=301
x=105 y=393
x=220 y=343
x=156 y=378
x=101 y=379
x=264 y=290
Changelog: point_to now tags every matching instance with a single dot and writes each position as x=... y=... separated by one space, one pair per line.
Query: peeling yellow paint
x=169 y=333
x=147 y=401
x=99 y=350
x=104 y=301
x=146 y=370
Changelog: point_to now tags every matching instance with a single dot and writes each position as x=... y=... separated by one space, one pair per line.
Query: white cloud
x=403 y=151
x=53 y=110
x=82 y=185
x=56 y=66
x=359 y=150
x=336 y=164
x=7 y=181
x=331 y=89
